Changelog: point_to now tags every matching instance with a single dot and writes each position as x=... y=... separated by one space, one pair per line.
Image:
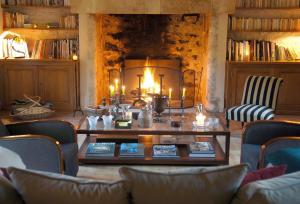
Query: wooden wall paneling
x=237 y=72
x=57 y=85
x=19 y=80
x=289 y=99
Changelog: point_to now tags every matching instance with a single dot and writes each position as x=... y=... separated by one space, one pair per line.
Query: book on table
x=132 y=150
x=165 y=151
x=201 y=149
x=101 y=149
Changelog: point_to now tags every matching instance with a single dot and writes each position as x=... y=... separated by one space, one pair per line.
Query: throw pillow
x=8 y=194
x=265 y=173
x=216 y=186
x=279 y=190
x=49 y=188
x=3 y=130
x=10 y=158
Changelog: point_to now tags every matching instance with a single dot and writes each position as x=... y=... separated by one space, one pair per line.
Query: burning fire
x=148 y=84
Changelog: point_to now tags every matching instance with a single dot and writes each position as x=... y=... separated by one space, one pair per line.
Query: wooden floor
x=110 y=172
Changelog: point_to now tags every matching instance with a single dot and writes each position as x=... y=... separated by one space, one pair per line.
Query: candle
x=183 y=92
x=200 y=118
x=170 y=93
x=123 y=90
x=116 y=84
x=111 y=90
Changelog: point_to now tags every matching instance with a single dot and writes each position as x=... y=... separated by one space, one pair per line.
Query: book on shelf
x=201 y=149
x=255 y=50
x=36 y=2
x=55 y=49
x=267 y=3
x=263 y=24
x=69 y=22
x=101 y=149
x=165 y=151
x=14 y=19
x=132 y=150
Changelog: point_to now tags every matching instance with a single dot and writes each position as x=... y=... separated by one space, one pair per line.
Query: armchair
x=266 y=141
x=49 y=145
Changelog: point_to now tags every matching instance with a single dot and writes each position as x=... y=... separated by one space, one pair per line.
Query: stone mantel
x=216 y=10
x=152 y=6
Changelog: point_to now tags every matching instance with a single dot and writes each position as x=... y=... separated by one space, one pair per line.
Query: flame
x=148 y=84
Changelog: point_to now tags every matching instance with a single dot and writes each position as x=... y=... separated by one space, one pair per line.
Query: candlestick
x=123 y=90
x=170 y=93
x=111 y=90
x=183 y=92
x=116 y=84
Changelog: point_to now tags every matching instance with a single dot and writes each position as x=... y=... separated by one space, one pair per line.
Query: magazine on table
x=165 y=151
x=132 y=150
x=105 y=149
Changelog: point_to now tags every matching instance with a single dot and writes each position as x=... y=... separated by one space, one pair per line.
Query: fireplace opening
x=175 y=46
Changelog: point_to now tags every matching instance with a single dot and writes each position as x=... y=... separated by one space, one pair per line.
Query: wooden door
x=57 y=85
x=19 y=80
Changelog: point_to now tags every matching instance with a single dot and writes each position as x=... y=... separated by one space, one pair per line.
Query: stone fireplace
x=190 y=32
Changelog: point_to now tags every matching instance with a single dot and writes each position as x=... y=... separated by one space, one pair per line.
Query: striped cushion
x=261 y=90
x=249 y=113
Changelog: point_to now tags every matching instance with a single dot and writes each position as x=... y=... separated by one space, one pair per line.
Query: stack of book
x=55 y=49
x=132 y=150
x=14 y=20
x=254 y=50
x=102 y=149
x=165 y=151
x=37 y=2
x=267 y=3
x=202 y=149
x=263 y=24
x=69 y=22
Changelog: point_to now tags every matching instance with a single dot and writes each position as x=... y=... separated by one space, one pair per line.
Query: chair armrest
x=276 y=144
x=61 y=131
x=260 y=132
x=38 y=152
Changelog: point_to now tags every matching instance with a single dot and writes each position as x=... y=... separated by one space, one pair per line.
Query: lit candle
x=111 y=90
x=183 y=92
x=200 y=118
x=170 y=93
x=75 y=57
x=116 y=84
x=123 y=90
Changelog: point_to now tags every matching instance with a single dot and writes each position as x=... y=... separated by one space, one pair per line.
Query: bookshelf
x=238 y=69
x=38 y=21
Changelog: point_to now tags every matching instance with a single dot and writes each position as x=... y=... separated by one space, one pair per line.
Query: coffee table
x=159 y=133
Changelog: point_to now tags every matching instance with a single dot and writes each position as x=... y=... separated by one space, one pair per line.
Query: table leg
x=227 y=147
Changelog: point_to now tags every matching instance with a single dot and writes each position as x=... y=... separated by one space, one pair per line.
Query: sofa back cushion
x=282 y=189
x=3 y=130
x=216 y=186
x=49 y=188
x=8 y=194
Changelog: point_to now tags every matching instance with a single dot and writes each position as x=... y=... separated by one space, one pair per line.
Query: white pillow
x=9 y=158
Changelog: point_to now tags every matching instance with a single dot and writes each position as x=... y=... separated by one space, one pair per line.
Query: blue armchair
x=275 y=142
x=49 y=145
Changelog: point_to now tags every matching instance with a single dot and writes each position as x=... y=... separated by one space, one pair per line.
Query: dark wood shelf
x=263 y=62
x=34 y=6
x=183 y=158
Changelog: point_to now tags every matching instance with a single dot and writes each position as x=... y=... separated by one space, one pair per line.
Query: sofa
x=209 y=185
